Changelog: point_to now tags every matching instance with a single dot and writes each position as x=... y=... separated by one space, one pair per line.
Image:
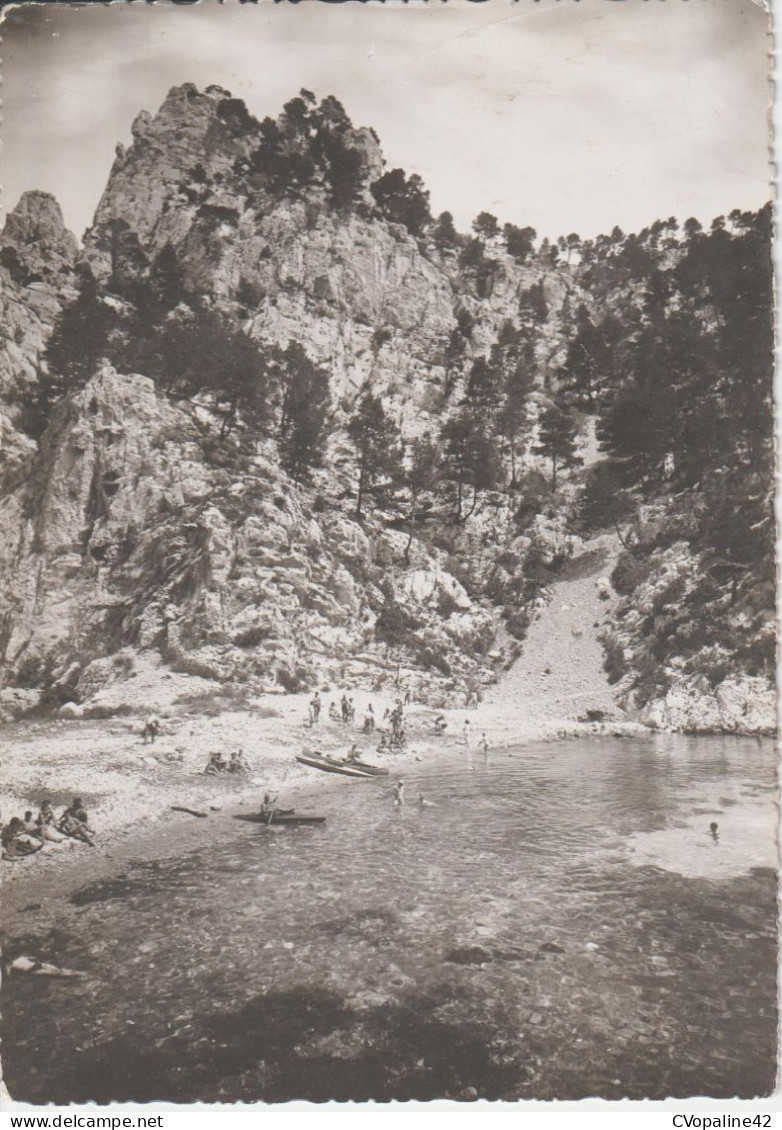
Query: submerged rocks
x=468 y=955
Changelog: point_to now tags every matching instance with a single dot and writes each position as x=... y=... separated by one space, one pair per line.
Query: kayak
x=279 y=818
x=371 y=770
x=254 y=817
x=329 y=765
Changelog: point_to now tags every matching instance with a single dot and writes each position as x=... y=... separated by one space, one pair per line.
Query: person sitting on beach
x=424 y=802
x=237 y=763
x=383 y=747
x=334 y=714
x=30 y=827
x=440 y=724
x=354 y=753
x=17 y=843
x=215 y=764
x=74 y=822
x=47 y=823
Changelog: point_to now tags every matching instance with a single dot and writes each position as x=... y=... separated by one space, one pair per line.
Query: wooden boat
x=371 y=770
x=286 y=817
x=331 y=765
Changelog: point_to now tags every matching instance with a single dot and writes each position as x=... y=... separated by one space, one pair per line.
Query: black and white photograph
x=387 y=553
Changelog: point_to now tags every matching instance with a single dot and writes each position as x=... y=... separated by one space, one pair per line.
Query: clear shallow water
x=559 y=924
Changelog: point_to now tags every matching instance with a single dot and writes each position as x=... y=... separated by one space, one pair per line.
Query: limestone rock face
x=741 y=704
x=37 y=259
x=36 y=232
x=363 y=296
x=122 y=537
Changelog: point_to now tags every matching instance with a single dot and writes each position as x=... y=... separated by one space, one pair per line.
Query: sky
x=567 y=115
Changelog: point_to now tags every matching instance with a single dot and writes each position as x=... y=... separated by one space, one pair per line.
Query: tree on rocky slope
x=557 y=431
x=512 y=421
x=304 y=388
x=470 y=460
x=444 y=234
x=203 y=354
x=81 y=338
x=403 y=200
x=520 y=242
x=422 y=475
x=587 y=360
x=486 y=225
x=376 y=443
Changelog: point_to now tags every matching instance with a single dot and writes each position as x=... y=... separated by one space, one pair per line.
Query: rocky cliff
x=125 y=536
x=136 y=525
x=363 y=295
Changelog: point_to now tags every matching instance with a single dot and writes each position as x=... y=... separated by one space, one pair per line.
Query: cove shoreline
x=129 y=788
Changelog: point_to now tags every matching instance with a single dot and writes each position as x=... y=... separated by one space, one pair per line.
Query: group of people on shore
x=217 y=766
x=344 y=711
x=24 y=836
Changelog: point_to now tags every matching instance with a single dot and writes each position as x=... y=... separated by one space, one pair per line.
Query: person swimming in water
x=398 y=793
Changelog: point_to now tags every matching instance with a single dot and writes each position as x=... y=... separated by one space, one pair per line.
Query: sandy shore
x=129 y=788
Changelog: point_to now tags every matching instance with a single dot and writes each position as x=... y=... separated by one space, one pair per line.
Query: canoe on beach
x=331 y=765
x=287 y=817
x=370 y=770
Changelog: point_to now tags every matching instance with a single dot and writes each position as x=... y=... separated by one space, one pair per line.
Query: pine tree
x=520 y=242
x=469 y=458
x=444 y=234
x=557 y=432
x=422 y=475
x=403 y=200
x=484 y=387
x=165 y=277
x=303 y=415
x=80 y=340
x=587 y=359
x=486 y=225
x=376 y=442
x=513 y=416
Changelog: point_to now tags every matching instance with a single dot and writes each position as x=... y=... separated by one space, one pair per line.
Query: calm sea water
x=558 y=922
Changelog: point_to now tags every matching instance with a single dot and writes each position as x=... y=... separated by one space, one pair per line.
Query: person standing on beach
x=345 y=708
x=398 y=793
x=151 y=729
x=316 y=706
x=466 y=732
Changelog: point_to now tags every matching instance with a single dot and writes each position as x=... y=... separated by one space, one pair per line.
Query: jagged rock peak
x=202 y=143
x=36 y=226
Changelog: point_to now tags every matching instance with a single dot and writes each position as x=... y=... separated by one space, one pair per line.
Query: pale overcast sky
x=566 y=115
